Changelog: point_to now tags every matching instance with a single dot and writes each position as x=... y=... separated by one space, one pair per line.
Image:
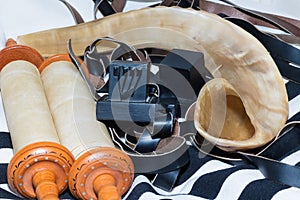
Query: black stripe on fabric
x=208 y=186
x=5 y=141
x=3 y=180
x=7 y=195
x=284 y=146
x=3 y=169
x=66 y=195
x=139 y=190
x=293 y=89
x=195 y=163
x=263 y=189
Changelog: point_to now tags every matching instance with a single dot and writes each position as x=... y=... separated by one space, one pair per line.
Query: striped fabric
x=203 y=178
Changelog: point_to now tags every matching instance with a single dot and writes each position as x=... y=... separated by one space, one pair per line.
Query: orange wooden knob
x=13 y=52
x=10 y=42
x=54 y=58
x=40 y=170
x=61 y=57
x=102 y=173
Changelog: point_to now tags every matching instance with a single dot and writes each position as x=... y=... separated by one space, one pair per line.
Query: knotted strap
x=165 y=161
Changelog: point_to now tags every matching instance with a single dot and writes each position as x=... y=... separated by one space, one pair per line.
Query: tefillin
x=141 y=92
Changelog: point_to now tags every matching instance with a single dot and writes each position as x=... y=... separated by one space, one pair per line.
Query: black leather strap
x=284 y=55
x=166 y=158
x=166 y=181
x=107 y=7
x=171 y=153
x=267 y=160
x=187 y=4
x=146 y=143
x=104 y=7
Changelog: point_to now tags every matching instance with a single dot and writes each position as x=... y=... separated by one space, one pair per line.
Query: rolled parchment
x=26 y=108
x=100 y=170
x=40 y=165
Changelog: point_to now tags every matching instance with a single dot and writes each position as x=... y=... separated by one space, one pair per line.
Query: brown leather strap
x=288 y=25
x=292 y=25
x=291 y=39
x=118 y=5
x=167 y=2
x=108 y=7
x=76 y=16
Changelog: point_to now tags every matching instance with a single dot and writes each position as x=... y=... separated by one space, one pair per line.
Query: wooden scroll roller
x=100 y=171
x=40 y=165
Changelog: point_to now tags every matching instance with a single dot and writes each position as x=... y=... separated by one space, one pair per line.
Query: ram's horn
x=255 y=100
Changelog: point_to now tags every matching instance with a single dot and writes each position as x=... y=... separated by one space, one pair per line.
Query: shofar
x=230 y=53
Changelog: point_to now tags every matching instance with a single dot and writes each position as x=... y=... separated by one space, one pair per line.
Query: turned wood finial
x=40 y=170
x=105 y=186
x=45 y=186
x=104 y=173
x=10 y=42
x=14 y=51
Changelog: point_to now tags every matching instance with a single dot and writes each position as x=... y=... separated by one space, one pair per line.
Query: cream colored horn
x=230 y=53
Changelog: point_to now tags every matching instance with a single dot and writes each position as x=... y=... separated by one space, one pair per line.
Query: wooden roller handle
x=40 y=170
x=105 y=187
x=45 y=186
x=104 y=173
